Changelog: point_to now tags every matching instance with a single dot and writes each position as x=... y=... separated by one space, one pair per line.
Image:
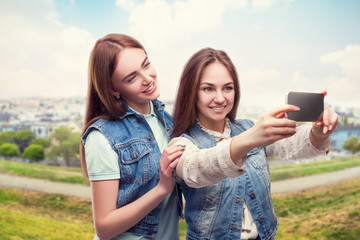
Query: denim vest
x=133 y=141
x=216 y=211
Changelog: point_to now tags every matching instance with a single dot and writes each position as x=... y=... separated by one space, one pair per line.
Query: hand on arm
x=271 y=127
x=110 y=221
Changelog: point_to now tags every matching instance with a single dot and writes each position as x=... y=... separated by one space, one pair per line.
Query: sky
x=277 y=46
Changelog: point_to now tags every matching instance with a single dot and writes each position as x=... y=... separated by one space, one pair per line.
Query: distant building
x=339 y=137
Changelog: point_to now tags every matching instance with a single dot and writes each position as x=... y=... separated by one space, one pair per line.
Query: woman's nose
x=146 y=78
x=219 y=97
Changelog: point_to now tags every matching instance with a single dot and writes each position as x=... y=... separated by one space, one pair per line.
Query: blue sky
x=276 y=45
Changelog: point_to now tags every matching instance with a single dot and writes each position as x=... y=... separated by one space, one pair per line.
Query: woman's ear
x=114 y=92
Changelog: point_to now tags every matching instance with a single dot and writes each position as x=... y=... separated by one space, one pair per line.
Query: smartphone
x=311 y=106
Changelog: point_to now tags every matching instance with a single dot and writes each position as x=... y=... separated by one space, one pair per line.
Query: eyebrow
x=132 y=73
x=226 y=84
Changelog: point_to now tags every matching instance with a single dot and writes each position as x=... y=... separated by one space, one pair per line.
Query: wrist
x=315 y=139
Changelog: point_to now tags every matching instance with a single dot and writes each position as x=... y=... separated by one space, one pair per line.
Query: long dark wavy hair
x=185 y=111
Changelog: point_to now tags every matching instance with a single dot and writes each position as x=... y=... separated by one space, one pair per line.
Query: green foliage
x=41 y=141
x=23 y=138
x=34 y=152
x=68 y=143
x=7 y=137
x=9 y=150
x=352 y=145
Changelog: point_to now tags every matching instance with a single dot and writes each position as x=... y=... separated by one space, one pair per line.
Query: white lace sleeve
x=204 y=167
x=297 y=146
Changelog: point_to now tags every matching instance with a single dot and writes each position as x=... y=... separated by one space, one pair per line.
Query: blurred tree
x=7 y=137
x=352 y=145
x=41 y=141
x=67 y=145
x=23 y=138
x=34 y=153
x=9 y=150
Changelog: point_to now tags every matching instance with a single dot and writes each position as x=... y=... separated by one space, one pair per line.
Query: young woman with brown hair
x=124 y=151
x=224 y=172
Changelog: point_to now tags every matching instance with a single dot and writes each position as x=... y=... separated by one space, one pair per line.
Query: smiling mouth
x=150 y=89
x=218 y=108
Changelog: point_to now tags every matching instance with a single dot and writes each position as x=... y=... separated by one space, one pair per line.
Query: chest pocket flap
x=133 y=151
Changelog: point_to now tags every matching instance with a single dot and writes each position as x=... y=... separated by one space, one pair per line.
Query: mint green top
x=102 y=164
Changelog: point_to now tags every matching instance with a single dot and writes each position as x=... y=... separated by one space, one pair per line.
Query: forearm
x=110 y=222
x=204 y=167
x=298 y=146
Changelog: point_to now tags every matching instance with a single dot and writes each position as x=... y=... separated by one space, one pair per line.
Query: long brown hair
x=185 y=105
x=100 y=103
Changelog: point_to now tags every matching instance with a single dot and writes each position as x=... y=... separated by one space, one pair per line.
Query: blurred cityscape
x=43 y=116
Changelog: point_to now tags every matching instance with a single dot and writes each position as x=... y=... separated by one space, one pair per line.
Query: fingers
x=328 y=120
x=283 y=109
x=170 y=158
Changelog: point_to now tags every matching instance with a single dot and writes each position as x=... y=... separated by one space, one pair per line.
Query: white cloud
x=346 y=86
x=161 y=24
x=40 y=56
x=263 y=4
x=127 y=5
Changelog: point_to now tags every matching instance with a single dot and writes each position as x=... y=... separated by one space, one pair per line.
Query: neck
x=217 y=126
x=143 y=108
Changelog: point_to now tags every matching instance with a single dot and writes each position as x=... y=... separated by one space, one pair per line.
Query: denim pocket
x=135 y=161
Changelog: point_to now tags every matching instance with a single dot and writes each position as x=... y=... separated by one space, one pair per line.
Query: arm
x=270 y=128
x=110 y=221
x=308 y=141
x=203 y=167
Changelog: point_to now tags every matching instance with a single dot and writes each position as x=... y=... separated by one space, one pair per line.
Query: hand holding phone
x=311 y=106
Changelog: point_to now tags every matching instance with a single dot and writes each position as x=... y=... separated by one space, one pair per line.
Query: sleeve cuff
x=229 y=168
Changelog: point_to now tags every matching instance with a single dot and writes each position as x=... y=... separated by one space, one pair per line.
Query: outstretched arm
x=271 y=127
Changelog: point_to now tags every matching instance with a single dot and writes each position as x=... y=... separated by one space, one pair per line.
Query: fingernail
x=330 y=127
x=325 y=129
x=182 y=150
x=183 y=146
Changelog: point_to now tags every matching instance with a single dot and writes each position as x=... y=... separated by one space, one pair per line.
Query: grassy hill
x=330 y=212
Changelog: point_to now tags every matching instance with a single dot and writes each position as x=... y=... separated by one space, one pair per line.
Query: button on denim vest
x=215 y=212
x=133 y=141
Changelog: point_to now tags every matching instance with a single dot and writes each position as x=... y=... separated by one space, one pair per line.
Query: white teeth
x=150 y=88
x=218 y=108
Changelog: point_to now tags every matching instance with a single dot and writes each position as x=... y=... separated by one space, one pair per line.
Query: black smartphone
x=311 y=106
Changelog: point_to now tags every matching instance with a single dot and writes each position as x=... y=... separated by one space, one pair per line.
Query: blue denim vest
x=216 y=211
x=132 y=139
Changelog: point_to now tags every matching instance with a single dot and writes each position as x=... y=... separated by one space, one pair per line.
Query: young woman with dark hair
x=224 y=172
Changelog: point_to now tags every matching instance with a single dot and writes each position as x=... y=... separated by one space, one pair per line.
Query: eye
x=207 y=89
x=228 y=88
x=130 y=79
x=147 y=64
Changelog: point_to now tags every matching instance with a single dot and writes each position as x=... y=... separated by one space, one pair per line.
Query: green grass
x=30 y=215
x=327 y=213
x=52 y=173
x=74 y=175
x=288 y=171
x=330 y=212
